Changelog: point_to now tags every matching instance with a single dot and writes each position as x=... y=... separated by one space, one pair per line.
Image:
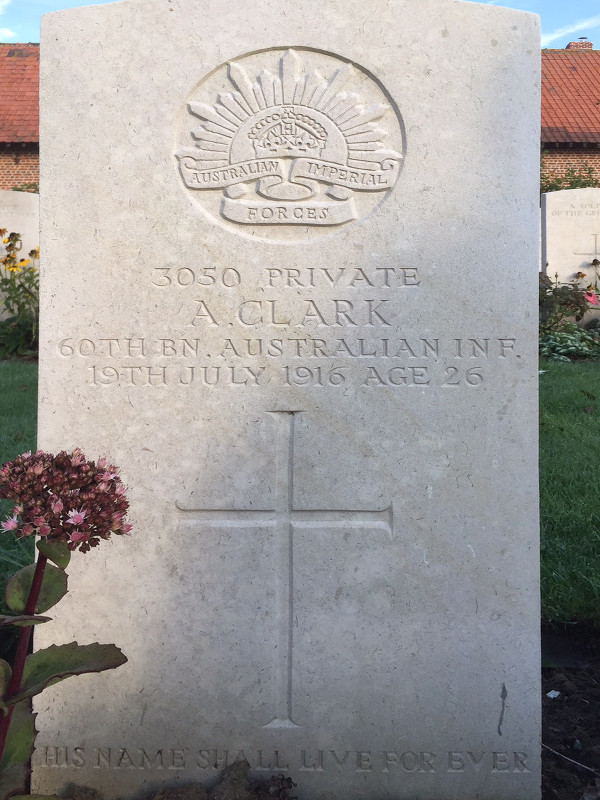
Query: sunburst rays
x=292 y=86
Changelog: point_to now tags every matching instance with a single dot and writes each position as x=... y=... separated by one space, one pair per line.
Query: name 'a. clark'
x=326 y=313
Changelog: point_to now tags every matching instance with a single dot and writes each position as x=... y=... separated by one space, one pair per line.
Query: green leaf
x=22 y=621
x=57 y=662
x=57 y=552
x=54 y=586
x=14 y=765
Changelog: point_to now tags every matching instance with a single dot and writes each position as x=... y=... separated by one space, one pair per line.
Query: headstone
x=571 y=234
x=289 y=259
x=20 y=213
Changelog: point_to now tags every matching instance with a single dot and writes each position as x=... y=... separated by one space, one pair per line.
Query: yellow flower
x=23 y=262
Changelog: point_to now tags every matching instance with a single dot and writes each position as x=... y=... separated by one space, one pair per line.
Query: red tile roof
x=19 y=79
x=571 y=96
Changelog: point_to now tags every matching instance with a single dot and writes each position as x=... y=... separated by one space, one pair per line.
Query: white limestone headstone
x=20 y=213
x=289 y=257
x=571 y=234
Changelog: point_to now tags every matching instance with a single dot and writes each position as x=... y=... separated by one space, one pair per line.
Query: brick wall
x=18 y=164
x=557 y=161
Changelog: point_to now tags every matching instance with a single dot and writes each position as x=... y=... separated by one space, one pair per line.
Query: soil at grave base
x=233 y=785
x=571 y=721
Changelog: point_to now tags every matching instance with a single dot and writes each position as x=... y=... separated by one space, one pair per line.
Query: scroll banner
x=197 y=177
x=382 y=175
x=286 y=213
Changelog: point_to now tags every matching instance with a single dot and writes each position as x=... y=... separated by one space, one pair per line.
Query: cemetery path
x=571 y=720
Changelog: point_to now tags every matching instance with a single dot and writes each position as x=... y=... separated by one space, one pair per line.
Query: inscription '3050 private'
x=289 y=145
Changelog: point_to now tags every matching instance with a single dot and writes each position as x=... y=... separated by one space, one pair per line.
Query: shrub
x=19 y=291
x=559 y=302
x=560 y=338
x=570 y=342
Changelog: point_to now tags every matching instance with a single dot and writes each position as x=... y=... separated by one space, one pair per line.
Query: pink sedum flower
x=591 y=298
x=76 y=517
x=56 y=506
x=64 y=498
x=107 y=476
x=77 y=458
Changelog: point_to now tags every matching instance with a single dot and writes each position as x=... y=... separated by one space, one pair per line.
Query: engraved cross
x=595 y=251
x=284 y=518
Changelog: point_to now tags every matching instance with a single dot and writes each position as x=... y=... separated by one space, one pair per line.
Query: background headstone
x=289 y=260
x=570 y=234
x=20 y=213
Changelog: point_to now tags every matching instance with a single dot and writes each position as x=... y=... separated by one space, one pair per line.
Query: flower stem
x=22 y=647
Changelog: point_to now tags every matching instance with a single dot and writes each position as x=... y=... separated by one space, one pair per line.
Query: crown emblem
x=293 y=136
x=288 y=133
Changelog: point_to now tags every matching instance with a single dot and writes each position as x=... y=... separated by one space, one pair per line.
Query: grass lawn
x=18 y=413
x=569 y=480
x=18 y=409
x=570 y=490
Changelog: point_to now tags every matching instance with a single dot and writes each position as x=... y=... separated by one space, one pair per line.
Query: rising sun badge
x=297 y=145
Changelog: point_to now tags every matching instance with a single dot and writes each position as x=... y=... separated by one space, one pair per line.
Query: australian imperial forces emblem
x=291 y=146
